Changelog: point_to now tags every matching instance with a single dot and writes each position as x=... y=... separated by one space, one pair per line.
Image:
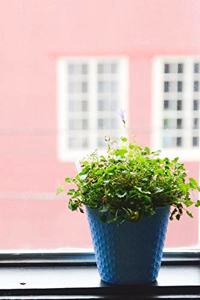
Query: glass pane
x=179 y=86
x=103 y=68
x=77 y=142
x=196 y=86
x=196 y=68
x=195 y=123
x=179 y=141
x=195 y=104
x=171 y=123
x=77 y=124
x=77 y=69
x=179 y=123
x=166 y=104
x=166 y=86
x=114 y=87
x=180 y=68
x=114 y=68
x=173 y=68
x=195 y=141
x=168 y=142
x=101 y=142
x=84 y=105
x=84 y=69
x=167 y=68
x=179 y=105
x=77 y=105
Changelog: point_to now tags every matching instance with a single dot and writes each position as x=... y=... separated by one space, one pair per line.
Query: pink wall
x=33 y=35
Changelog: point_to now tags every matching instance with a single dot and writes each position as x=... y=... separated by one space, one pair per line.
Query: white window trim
x=63 y=153
x=187 y=154
x=199 y=215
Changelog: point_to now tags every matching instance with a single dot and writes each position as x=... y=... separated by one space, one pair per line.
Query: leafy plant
x=130 y=182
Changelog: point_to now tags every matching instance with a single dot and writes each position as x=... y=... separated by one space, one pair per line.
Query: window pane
x=84 y=68
x=195 y=123
x=166 y=86
x=77 y=142
x=179 y=86
x=168 y=142
x=196 y=68
x=179 y=123
x=180 y=68
x=195 y=141
x=196 y=86
x=179 y=141
x=77 y=124
x=179 y=105
x=114 y=68
x=77 y=105
x=167 y=68
x=166 y=104
x=195 y=104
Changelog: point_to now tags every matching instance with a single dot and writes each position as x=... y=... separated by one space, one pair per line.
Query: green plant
x=130 y=182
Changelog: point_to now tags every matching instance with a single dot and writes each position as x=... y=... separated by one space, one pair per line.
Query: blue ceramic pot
x=129 y=253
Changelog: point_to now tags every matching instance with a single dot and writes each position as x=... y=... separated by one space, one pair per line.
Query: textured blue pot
x=129 y=253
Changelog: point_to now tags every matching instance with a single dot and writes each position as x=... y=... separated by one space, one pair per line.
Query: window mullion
x=123 y=94
x=188 y=86
x=93 y=102
x=62 y=107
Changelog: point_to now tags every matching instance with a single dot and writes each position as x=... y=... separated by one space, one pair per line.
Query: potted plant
x=129 y=194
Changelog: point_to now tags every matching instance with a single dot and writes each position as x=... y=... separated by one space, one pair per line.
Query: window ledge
x=72 y=280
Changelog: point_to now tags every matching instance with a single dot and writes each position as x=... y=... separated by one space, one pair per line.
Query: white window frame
x=187 y=153
x=64 y=153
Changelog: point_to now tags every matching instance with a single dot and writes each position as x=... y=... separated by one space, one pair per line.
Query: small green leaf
x=175 y=160
x=60 y=189
x=124 y=139
x=71 y=192
x=189 y=213
x=73 y=205
x=147 y=150
x=193 y=183
x=197 y=204
x=189 y=202
x=68 y=180
x=121 y=152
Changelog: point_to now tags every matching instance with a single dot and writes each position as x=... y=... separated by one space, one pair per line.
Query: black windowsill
x=74 y=276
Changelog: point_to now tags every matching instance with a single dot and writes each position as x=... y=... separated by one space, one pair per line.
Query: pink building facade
x=34 y=35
